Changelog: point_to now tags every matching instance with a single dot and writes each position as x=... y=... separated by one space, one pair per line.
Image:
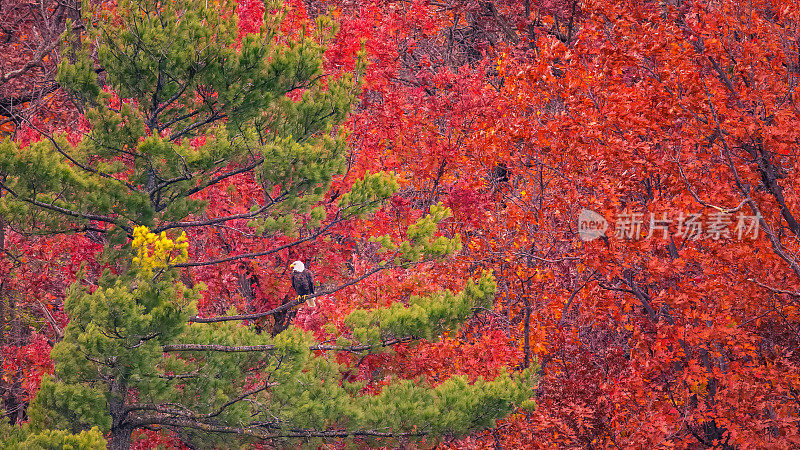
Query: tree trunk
x=120 y=438
x=120 y=430
x=10 y=334
x=2 y=320
x=2 y=313
x=527 y=334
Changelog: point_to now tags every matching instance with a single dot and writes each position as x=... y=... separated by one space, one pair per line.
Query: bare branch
x=286 y=306
x=310 y=237
x=270 y=347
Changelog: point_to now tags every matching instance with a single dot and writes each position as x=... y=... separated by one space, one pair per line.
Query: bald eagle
x=302 y=281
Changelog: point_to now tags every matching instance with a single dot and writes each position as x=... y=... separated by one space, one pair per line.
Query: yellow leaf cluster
x=158 y=251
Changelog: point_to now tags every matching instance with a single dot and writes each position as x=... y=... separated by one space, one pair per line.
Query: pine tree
x=134 y=354
x=183 y=75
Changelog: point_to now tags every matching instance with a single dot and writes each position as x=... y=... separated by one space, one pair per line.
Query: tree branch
x=67 y=212
x=285 y=306
x=270 y=347
x=263 y=253
x=185 y=412
x=203 y=223
x=219 y=178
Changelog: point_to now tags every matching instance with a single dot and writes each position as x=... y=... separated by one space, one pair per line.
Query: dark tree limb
x=286 y=306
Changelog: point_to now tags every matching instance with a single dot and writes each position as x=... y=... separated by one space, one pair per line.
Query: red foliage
x=518 y=115
x=619 y=108
x=27 y=363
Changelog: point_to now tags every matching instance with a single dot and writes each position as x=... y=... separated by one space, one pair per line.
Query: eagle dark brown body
x=302 y=280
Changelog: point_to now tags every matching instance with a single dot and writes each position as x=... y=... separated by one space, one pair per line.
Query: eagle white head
x=298 y=266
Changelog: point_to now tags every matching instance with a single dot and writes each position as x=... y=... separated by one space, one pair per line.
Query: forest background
x=464 y=139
